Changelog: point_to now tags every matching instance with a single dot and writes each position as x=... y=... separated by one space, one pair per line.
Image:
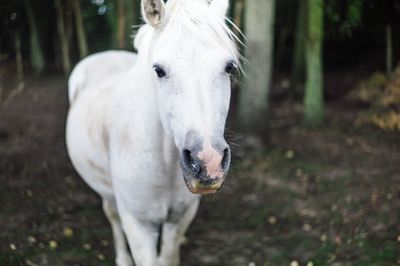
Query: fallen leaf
x=53 y=244
x=87 y=246
x=307 y=227
x=290 y=154
x=272 y=220
x=32 y=239
x=68 y=232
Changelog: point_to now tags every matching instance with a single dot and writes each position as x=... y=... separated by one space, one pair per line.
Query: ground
x=322 y=196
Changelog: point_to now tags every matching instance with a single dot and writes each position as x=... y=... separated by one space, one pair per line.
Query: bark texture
x=259 y=30
x=313 y=97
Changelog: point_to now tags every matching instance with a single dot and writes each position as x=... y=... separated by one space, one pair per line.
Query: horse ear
x=220 y=6
x=153 y=12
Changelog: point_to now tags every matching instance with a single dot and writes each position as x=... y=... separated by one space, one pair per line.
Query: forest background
x=317 y=117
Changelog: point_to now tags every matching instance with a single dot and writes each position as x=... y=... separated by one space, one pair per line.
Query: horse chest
x=163 y=207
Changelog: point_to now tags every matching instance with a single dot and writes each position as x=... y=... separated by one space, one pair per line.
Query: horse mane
x=193 y=19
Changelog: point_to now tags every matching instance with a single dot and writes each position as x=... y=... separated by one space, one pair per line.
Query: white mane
x=192 y=19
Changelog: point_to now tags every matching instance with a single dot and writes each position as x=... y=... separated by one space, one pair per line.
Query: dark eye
x=230 y=67
x=159 y=70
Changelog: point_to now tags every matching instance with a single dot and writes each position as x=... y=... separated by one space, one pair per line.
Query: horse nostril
x=189 y=161
x=225 y=159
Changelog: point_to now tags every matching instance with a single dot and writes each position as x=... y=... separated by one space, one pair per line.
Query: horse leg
x=173 y=235
x=169 y=255
x=187 y=219
x=123 y=257
x=142 y=238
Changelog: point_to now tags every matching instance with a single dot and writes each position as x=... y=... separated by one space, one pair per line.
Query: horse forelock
x=192 y=20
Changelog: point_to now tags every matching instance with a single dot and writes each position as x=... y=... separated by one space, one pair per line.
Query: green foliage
x=10 y=259
x=353 y=18
x=346 y=16
x=98 y=24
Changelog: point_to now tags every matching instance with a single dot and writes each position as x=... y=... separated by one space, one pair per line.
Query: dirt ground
x=324 y=196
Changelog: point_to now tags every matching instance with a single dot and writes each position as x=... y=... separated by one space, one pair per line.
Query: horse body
x=105 y=142
x=128 y=139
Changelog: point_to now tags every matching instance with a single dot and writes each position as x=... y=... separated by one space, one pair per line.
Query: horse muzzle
x=199 y=187
x=204 y=170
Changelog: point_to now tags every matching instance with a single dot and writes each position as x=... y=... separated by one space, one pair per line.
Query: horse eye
x=230 y=67
x=160 y=72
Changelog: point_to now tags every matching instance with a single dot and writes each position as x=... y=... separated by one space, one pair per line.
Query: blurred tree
x=383 y=19
x=20 y=73
x=391 y=14
x=126 y=16
x=121 y=23
x=237 y=14
x=298 y=62
x=389 y=49
x=35 y=51
x=313 y=98
x=18 y=60
x=133 y=20
x=68 y=22
x=80 y=30
x=62 y=34
x=285 y=21
x=253 y=101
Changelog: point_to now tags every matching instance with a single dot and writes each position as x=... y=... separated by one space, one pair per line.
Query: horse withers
x=139 y=122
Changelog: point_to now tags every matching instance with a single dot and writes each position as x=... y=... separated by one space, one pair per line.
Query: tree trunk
x=313 y=98
x=127 y=15
x=121 y=24
x=80 y=30
x=389 y=49
x=253 y=101
x=63 y=38
x=237 y=16
x=18 y=58
x=136 y=13
x=280 y=50
x=298 y=64
x=36 y=52
x=129 y=23
x=68 y=20
x=20 y=73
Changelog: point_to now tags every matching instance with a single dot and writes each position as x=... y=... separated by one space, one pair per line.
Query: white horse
x=138 y=123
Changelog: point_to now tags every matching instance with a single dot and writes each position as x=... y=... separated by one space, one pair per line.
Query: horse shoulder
x=92 y=86
x=97 y=68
